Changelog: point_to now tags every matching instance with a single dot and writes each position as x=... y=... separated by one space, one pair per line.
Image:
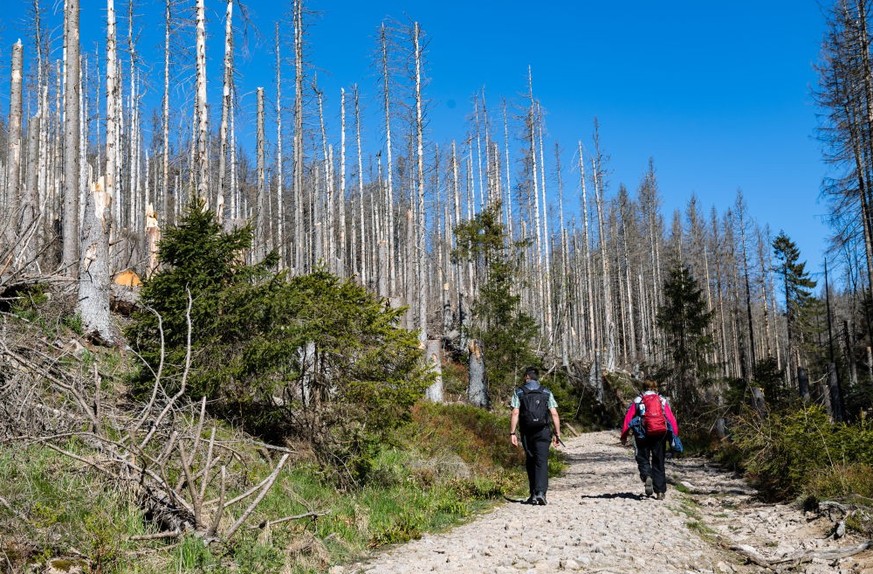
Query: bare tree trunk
x=433 y=350
x=263 y=224
x=226 y=102
x=477 y=386
x=509 y=216
x=742 y=223
x=298 y=223
x=280 y=160
x=538 y=271
x=564 y=295
x=94 y=265
x=202 y=159
x=389 y=166
x=13 y=156
x=327 y=236
x=589 y=277
x=31 y=212
x=363 y=248
x=70 y=254
x=609 y=327
x=166 y=209
x=547 y=240
x=421 y=255
x=342 y=255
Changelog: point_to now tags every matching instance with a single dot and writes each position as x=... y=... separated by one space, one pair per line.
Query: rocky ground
x=598 y=520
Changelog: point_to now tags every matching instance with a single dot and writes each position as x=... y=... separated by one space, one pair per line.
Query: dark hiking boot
x=540 y=498
x=661 y=495
x=530 y=500
x=649 y=489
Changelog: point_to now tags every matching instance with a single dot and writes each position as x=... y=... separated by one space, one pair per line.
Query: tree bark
x=226 y=102
x=421 y=222
x=262 y=223
x=72 y=86
x=94 y=272
x=298 y=224
x=13 y=155
x=433 y=350
x=202 y=116
x=477 y=386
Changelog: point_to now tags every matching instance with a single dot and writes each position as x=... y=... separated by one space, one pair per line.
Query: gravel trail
x=598 y=520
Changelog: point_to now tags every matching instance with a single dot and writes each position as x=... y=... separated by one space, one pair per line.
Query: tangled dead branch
x=164 y=455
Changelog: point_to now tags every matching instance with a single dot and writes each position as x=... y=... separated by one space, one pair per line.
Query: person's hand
x=556 y=440
x=514 y=439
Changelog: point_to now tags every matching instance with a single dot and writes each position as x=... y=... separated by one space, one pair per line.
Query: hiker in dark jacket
x=532 y=407
x=650 y=444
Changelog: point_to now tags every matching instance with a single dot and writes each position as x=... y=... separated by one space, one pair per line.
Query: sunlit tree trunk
x=94 y=264
x=70 y=254
x=342 y=255
x=298 y=223
x=592 y=342
x=421 y=255
x=13 y=155
x=608 y=325
x=280 y=160
x=165 y=207
x=226 y=102
x=262 y=222
x=31 y=211
x=509 y=215
x=363 y=245
x=389 y=166
x=202 y=116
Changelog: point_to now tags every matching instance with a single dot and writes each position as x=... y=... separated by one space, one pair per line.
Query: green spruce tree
x=498 y=322
x=685 y=321
x=797 y=287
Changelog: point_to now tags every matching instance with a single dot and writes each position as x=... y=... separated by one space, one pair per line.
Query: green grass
x=449 y=464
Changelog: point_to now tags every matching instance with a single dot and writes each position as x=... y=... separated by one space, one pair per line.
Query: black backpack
x=533 y=408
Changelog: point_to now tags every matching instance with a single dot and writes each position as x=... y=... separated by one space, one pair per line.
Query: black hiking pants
x=650 y=454
x=536 y=458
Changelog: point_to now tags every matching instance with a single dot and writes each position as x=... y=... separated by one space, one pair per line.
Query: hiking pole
x=560 y=442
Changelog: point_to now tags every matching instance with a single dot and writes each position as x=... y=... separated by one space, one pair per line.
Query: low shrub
x=801 y=451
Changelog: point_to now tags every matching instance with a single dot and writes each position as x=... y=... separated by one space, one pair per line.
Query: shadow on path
x=611 y=495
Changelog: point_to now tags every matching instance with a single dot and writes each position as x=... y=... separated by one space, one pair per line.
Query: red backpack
x=652 y=412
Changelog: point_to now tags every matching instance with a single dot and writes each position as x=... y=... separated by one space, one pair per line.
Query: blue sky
x=718 y=94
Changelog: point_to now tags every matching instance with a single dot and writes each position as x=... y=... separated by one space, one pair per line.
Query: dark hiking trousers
x=650 y=453
x=536 y=458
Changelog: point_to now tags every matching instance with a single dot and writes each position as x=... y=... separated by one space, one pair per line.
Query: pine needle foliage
x=506 y=332
x=684 y=320
x=311 y=356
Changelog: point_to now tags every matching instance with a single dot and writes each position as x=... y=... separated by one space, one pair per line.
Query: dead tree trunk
x=202 y=117
x=13 y=156
x=262 y=224
x=70 y=253
x=392 y=281
x=477 y=386
x=297 y=167
x=280 y=174
x=94 y=271
x=421 y=223
x=226 y=102
x=433 y=351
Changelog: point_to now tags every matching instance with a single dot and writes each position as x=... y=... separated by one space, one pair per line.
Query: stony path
x=598 y=521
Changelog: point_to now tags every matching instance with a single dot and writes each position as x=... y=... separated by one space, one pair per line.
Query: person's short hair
x=533 y=373
x=650 y=385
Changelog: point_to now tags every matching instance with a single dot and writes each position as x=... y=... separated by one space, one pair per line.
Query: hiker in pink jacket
x=652 y=422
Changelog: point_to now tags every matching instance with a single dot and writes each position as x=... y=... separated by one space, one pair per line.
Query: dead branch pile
x=161 y=452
